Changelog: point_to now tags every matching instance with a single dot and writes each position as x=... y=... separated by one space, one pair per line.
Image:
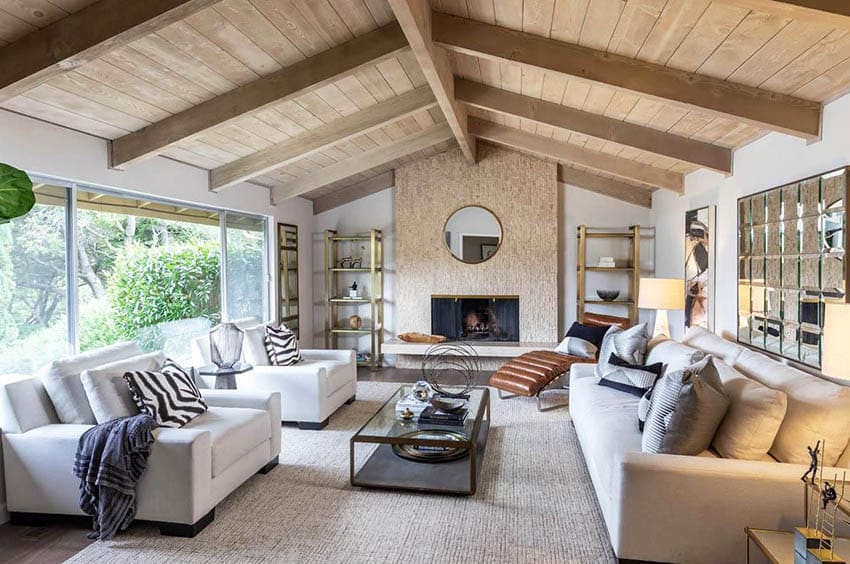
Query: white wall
x=44 y=149
x=583 y=207
x=375 y=211
x=773 y=160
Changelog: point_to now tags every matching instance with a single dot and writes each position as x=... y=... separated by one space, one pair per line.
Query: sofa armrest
x=673 y=497
x=582 y=370
x=266 y=401
x=342 y=355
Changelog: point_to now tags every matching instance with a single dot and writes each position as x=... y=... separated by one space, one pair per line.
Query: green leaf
x=16 y=195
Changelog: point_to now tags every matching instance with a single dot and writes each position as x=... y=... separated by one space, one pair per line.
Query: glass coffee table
x=404 y=455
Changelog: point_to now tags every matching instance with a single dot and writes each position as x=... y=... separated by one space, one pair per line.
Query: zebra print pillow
x=282 y=346
x=170 y=395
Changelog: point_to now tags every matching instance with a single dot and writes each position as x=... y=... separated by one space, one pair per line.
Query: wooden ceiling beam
x=285 y=84
x=568 y=153
x=602 y=127
x=771 y=110
x=354 y=192
x=369 y=159
x=322 y=137
x=414 y=16
x=638 y=195
x=84 y=36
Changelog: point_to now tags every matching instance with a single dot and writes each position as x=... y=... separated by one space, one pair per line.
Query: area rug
x=535 y=503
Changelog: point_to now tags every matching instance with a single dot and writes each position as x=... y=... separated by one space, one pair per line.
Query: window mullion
x=223 y=266
x=72 y=289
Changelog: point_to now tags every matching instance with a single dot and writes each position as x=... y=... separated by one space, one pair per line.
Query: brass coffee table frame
x=423 y=477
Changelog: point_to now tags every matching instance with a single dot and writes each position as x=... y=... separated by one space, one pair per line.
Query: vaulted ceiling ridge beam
x=315 y=140
x=370 y=159
x=771 y=110
x=414 y=16
x=624 y=191
x=601 y=127
x=280 y=86
x=84 y=36
x=570 y=153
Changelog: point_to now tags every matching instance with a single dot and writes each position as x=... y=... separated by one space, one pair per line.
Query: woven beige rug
x=535 y=503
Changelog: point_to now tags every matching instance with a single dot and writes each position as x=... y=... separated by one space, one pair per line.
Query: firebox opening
x=478 y=318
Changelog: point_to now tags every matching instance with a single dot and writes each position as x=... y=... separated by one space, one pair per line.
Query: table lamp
x=661 y=294
x=836 y=337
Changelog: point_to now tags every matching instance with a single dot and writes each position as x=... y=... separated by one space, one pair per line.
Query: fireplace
x=476 y=318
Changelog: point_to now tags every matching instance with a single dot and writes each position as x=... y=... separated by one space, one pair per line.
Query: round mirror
x=473 y=234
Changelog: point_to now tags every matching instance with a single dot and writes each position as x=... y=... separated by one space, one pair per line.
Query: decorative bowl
x=447 y=404
x=608 y=295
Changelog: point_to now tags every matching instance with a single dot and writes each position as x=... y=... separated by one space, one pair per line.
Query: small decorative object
x=355 y=322
x=432 y=453
x=815 y=543
x=16 y=195
x=421 y=338
x=352 y=291
x=606 y=262
x=345 y=262
x=226 y=345
x=444 y=363
x=406 y=415
x=813 y=465
x=608 y=295
x=422 y=391
x=447 y=404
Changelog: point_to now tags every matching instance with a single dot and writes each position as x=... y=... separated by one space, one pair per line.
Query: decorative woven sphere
x=355 y=322
x=452 y=364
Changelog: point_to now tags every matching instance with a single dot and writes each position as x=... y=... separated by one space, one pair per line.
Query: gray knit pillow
x=629 y=345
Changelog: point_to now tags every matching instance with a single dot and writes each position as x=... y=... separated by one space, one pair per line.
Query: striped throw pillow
x=631 y=378
x=169 y=395
x=282 y=346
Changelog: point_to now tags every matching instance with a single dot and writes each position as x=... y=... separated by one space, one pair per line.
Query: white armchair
x=310 y=391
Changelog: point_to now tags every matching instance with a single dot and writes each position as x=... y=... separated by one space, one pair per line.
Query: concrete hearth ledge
x=484 y=349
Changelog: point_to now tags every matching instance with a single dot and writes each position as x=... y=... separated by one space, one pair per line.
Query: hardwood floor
x=57 y=542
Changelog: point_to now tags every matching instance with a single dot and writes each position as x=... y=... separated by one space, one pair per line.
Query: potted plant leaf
x=16 y=195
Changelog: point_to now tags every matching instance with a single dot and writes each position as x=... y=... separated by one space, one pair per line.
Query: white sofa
x=190 y=470
x=310 y=391
x=693 y=509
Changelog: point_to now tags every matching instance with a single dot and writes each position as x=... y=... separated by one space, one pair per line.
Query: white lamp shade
x=836 y=338
x=662 y=293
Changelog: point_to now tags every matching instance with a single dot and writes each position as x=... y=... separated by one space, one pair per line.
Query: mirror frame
x=488 y=210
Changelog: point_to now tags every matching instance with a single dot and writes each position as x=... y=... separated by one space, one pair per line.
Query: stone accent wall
x=522 y=192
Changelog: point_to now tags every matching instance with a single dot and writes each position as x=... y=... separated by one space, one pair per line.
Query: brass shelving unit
x=337 y=279
x=287 y=282
x=632 y=235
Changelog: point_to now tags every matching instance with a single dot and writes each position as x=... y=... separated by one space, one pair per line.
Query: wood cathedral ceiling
x=325 y=98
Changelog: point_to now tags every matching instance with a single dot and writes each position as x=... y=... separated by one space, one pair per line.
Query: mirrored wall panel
x=791 y=261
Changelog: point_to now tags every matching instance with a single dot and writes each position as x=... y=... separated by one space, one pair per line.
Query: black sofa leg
x=184 y=530
x=270 y=466
x=306 y=425
x=350 y=400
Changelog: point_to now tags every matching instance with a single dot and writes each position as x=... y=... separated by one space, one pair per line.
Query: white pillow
x=752 y=421
x=108 y=392
x=577 y=347
x=254 y=346
x=61 y=379
x=673 y=355
x=715 y=345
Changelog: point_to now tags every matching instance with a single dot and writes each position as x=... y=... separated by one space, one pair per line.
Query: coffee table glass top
x=386 y=425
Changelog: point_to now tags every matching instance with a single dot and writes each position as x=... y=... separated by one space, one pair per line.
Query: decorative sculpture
x=813 y=465
x=447 y=363
x=226 y=345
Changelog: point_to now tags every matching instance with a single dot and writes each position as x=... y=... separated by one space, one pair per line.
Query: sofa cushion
x=234 y=432
x=593 y=334
x=576 y=346
x=752 y=421
x=254 y=347
x=170 y=395
x=24 y=405
x=282 y=346
x=629 y=345
x=61 y=379
x=674 y=355
x=715 y=345
x=817 y=409
x=685 y=410
x=108 y=393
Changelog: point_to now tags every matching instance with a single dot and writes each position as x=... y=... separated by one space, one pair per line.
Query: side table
x=225 y=378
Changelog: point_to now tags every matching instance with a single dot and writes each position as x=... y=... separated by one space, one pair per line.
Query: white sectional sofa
x=190 y=470
x=693 y=509
x=310 y=391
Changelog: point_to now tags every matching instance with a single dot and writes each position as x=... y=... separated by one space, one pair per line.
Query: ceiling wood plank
x=602 y=127
x=570 y=153
x=84 y=36
x=370 y=159
x=414 y=16
x=830 y=12
x=321 y=138
x=285 y=84
x=354 y=192
x=630 y=193
x=771 y=110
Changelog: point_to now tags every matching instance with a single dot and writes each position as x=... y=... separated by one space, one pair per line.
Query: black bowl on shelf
x=608 y=295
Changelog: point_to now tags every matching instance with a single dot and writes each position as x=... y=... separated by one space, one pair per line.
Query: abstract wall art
x=699 y=268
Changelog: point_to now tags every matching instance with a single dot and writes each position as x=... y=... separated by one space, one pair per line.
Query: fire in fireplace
x=480 y=318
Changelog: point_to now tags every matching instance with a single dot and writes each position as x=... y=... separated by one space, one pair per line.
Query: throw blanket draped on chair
x=110 y=460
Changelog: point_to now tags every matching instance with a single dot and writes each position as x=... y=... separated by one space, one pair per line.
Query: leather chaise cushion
x=529 y=373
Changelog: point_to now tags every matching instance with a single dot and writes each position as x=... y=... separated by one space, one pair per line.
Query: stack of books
x=606 y=262
x=433 y=416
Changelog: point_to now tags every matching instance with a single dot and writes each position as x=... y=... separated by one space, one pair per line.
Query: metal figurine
x=814 y=453
x=828 y=494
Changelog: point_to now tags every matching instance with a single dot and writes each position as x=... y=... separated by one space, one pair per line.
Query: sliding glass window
x=246 y=272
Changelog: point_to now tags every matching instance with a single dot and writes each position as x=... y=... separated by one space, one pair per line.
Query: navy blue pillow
x=589 y=333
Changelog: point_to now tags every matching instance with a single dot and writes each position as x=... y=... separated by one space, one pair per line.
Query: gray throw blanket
x=110 y=460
